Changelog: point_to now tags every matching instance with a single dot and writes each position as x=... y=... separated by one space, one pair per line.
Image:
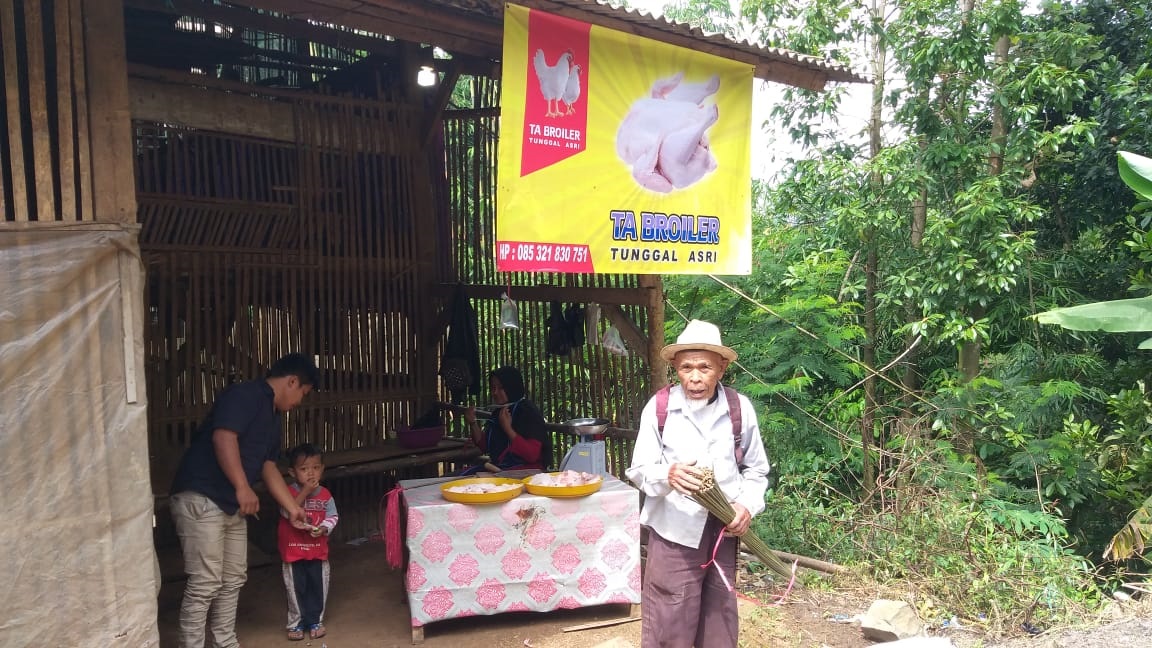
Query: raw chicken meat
x=564 y=478
x=481 y=489
x=553 y=79
x=663 y=137
x=664 y=142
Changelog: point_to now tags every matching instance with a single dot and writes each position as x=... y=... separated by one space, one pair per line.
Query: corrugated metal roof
x=771 y=62
x=836 y=71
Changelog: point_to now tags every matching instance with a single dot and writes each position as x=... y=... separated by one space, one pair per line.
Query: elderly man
x=683 y=429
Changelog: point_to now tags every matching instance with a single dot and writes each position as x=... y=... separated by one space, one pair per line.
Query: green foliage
x=977 y=547
x=1055 y=449
x=1126 y=455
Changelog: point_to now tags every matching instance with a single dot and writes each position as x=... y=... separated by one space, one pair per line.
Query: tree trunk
x=868 y=353
x=970 y=351
x=910 y=380
x=868 y=439
x=999 y=131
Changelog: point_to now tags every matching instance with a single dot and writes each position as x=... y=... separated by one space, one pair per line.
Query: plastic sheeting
x=77 y=555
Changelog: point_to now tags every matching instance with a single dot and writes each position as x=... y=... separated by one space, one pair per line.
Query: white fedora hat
x=698 y=336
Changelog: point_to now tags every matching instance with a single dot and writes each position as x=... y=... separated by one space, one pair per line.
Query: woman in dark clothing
x=514 y=437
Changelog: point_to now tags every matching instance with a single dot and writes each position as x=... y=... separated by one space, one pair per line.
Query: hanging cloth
x=460 y=365
x=574 y=319
x=558 y=341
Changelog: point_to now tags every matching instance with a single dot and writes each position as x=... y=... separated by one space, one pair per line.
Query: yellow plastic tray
x=481 y=498
x=563 y=491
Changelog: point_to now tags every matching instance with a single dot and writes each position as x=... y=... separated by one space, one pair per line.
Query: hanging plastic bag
x=509 y=315
x=592 y=323
x=613 y=343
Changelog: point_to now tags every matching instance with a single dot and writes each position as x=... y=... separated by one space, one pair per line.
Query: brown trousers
x=685 y=605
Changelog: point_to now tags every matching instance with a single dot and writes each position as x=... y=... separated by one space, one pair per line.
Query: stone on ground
x=890 y=621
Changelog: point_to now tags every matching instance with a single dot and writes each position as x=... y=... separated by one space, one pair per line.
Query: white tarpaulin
x=77 y=555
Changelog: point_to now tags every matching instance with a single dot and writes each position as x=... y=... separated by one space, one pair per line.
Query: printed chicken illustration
x=553 y=79
x=664 y=136
x=572 y=90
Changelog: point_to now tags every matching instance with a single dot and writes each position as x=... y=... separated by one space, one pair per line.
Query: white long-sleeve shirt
x=705 y=436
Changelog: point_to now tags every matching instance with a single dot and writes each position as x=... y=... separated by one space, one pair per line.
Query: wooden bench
x=390 y=455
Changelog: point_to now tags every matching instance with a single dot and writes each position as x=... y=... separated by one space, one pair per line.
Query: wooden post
x=110 y=117
x=658 y=368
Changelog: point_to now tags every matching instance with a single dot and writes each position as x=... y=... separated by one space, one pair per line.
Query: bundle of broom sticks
x=712 y=498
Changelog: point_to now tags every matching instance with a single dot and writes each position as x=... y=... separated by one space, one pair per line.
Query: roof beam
x=237 y=17
x=414 y=22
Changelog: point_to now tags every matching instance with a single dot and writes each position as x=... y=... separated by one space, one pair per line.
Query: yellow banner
x=620 y=154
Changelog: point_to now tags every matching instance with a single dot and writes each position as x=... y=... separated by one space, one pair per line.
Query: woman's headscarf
x=512 y=382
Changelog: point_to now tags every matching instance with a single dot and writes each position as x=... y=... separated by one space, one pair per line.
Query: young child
x=304 y=547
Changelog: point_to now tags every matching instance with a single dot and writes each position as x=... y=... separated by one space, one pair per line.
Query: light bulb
x=426 y=76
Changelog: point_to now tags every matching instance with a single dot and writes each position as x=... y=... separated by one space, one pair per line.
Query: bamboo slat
x=42 y=172
x=64 y=110
x=21 y=208
x=86 y=205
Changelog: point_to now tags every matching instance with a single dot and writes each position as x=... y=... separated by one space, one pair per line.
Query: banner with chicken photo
x=620 y=154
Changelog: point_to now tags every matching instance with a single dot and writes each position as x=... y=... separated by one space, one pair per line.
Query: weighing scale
x=587 y=454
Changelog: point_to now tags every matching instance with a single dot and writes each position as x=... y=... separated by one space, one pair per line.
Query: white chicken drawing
x=664 y=136
x=553 y=79
x=572 y=89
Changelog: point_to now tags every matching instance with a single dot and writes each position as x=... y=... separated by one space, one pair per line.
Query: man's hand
x=741 y=521
x=298 y=518
x=247 y=499
x=685 y=478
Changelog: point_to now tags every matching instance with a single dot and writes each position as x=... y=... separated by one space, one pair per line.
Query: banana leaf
x=1118 y=316
x=1133 y=538
x=1136 y=172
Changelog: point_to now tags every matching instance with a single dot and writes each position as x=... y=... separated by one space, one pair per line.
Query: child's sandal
x=317 y=631
x=296 y=634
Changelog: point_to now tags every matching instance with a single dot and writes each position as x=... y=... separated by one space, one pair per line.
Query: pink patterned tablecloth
x=530 y=553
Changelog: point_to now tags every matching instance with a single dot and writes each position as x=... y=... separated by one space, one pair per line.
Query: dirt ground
x=367 y=607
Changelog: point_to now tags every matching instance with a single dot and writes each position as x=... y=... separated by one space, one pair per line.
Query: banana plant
x=1119 y=316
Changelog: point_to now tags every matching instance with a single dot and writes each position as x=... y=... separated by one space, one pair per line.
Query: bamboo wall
x=344 y=240
x=64 y=145
x=256 y=248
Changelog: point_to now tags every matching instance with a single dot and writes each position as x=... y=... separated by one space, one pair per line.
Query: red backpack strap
x=662 y=410
x=734 y=413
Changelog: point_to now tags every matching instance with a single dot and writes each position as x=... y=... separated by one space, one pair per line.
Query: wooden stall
x=298 y=189
x=294 y=188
